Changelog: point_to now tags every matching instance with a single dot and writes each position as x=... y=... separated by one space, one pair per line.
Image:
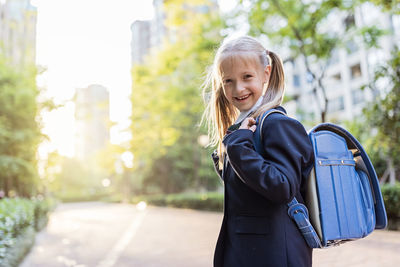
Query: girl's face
x=243 y=79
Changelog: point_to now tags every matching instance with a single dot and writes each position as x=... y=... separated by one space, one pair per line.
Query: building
x=18 y=31
x=92 y=120
x=140 y=43
x=349 y=68
x=150 y=34
x=158 y=30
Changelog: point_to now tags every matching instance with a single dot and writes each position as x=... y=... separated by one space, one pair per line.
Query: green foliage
x=296 y=24
x=41 y=212
x=80 y=197
x=383 y=114
x=212 y=201
x=185 y=165
x=361 y=129
x=21 y=246
x=371 y=35
x=15 y=215
x=19 y=130
x=167 y=106
x=391 y=196
x=71 y=179
x=78 y=181
x=18 y=218
x=391 y=6
x=303 y=28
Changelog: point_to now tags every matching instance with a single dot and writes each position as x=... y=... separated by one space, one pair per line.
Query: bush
x=391 y=196
x=212 y=201
x=41 y=212
x=19 y=218
x=19 y=248
x=80 y=197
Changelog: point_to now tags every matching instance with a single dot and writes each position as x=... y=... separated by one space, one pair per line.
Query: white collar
x=246 y=113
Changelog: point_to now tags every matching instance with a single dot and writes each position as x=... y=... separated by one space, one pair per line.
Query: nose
x=240 y=86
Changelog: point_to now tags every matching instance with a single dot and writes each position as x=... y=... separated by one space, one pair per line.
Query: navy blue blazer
x=256 y=230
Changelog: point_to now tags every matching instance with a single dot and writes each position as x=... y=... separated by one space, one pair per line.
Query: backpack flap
x=338 y=187
x=363 y=166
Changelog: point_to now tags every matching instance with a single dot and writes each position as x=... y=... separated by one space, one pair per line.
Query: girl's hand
x=249 y=123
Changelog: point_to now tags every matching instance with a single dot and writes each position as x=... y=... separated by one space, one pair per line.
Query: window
x=309 y=77
x=349 y=21
x=396 y=24
x=355 y=71
x=351 y=46
x=357 y=96
x=334 y=58
x=296 y=80
x=337 y=77
x=336 y=104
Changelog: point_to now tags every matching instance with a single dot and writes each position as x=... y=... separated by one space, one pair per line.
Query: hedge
x=19 y=220
x=391 y=196
x=212 y=201
x=74 y=197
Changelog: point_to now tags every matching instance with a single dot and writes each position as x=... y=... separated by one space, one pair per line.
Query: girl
x=246 y=80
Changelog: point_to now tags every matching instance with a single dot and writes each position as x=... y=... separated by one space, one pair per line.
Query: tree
x=383 y=113
x=167 y=103
x=19 y=130
x=391 y=6
x=303 y=28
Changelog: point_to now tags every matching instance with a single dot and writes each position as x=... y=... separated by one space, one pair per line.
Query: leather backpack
x=343 y=200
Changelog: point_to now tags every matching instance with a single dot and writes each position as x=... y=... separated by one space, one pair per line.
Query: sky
x=83 y=42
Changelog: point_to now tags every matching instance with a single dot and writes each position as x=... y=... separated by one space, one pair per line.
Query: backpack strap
x=258 y=133
x=297 y=211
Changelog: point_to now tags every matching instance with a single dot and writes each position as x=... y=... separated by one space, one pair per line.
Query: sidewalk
x=119 y=235
x=380 y=249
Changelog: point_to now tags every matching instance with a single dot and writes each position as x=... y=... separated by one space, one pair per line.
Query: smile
x=241 y=98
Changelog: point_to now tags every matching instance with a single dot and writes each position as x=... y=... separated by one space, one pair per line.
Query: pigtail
x=277 y=77
x=273 y=95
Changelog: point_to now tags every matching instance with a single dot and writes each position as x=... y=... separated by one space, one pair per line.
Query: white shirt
x=246 y=113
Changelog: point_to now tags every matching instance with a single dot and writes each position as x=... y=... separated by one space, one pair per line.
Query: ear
x=267 y=73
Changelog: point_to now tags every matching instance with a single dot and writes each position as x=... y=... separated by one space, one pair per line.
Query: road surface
x=106 y=235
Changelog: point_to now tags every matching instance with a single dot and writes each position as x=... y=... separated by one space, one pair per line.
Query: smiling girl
x=245 y=81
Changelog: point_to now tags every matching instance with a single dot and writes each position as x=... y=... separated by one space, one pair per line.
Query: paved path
x=107 y=235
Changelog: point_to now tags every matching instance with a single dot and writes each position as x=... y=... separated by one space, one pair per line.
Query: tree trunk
x=392 y=174
x=389 y=173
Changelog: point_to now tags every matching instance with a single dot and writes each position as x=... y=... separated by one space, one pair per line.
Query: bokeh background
x=101 y=100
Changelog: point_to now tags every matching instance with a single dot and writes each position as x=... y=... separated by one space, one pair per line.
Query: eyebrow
x=244 y=72
x=248 y=72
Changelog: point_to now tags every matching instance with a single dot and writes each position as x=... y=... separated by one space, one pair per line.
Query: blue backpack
x=343 y=198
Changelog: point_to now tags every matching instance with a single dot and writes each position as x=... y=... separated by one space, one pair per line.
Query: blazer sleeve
x=215 y=159
x=277 y=176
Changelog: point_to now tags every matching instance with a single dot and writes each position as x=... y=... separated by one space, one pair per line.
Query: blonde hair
x=219 y=113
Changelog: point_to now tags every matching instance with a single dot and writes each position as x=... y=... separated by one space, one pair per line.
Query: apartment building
x=92 y=120
x=18 y=31
x=349 y=68
x=150 y=34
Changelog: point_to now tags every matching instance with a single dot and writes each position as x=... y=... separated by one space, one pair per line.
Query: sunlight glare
x=141 y=205
x=92 y=48
x=106 y=182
